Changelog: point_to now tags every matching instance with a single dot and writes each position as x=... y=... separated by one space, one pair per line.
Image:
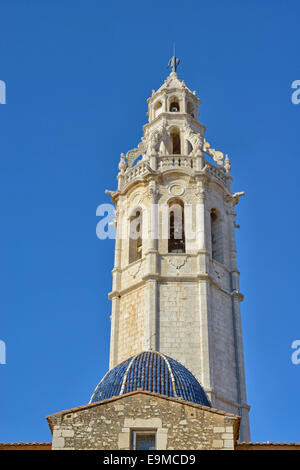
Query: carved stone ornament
x=156 y=137
x=216 y=155
x=177 y=261
x=133 y=154
x=123 y=163
x=195 y=140
x=218 y=274
x=227 y=164
x=136 y=198
x=135 y=270
x=153 y=191
x=176 y=189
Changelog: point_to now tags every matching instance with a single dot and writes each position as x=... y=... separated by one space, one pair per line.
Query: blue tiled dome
x=152 y=371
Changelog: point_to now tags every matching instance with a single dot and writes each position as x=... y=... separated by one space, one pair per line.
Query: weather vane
x=174 y=61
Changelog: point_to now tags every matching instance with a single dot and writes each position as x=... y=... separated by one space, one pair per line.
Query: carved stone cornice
x=169 y=278
x=170 y=116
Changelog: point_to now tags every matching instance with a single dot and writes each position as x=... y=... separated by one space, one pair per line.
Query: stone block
x=218 y=429
x=58 y=443
x=228 y=444
x=217 y=444
x=67 y=433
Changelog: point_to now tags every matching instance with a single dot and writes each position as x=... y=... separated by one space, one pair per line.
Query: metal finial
x=174 y=61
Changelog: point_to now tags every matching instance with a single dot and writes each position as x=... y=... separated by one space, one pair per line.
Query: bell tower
x=175 y=278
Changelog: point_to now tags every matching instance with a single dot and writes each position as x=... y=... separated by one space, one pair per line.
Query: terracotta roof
x=25 y=445
x=268 y=445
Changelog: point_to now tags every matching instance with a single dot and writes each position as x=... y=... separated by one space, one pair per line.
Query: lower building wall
x=109 y=425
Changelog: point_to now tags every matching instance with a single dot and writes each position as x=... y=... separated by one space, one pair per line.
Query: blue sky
x=78 y=74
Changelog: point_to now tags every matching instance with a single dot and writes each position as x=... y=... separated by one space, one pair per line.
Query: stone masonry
x=179 y=425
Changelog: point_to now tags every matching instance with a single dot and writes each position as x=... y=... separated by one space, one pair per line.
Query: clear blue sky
x=78 y=74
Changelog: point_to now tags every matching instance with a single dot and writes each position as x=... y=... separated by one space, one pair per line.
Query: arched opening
x=174 y=105
x=175 y=144
x=190 y=109
x=157 y=108
x=176 y=241
x=216 y=236
x=135 y=236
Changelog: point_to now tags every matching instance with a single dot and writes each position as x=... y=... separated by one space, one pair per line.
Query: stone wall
x=131 y=323
x=179 y=323
x=178 y=424
x=224 y=366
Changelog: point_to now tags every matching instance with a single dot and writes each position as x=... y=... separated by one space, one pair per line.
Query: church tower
x=175 y=277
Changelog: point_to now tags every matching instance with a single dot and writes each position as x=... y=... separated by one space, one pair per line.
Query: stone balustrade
x=163 y=163
x=175 y=161
x=217 y=173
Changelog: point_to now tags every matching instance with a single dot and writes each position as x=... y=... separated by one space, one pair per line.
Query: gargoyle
x=236 y=197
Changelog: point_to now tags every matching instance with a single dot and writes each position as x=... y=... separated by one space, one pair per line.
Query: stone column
x=115 y=305
x=164 y=104
x=153 y=162
x=152 y=319
x=200 y=160
x=184 y=110
x=153 y=222
x=237 y=330
x=203 y=228
x=204 y=291
x=151 y=333
x=116 y=273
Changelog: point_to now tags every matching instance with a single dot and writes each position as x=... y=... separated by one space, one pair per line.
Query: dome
x=154 y=372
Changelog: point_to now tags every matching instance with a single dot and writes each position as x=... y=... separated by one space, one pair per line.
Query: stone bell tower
x=176 y=285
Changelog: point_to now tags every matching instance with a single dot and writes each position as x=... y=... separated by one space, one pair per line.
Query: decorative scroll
x=216 y=155
x=133 y=154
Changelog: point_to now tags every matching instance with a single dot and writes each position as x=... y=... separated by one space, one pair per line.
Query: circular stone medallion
x=176 y=189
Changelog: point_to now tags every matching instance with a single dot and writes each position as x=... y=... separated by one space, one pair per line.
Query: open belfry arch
x=176 y=284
